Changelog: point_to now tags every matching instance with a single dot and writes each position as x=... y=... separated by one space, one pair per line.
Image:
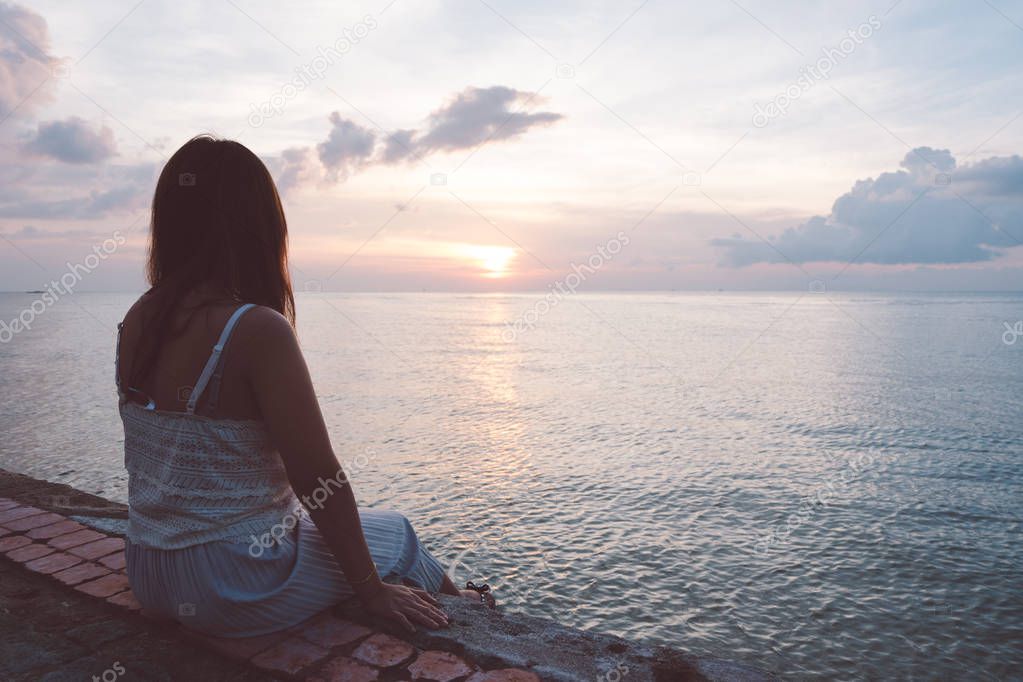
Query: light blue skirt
x=225 y=588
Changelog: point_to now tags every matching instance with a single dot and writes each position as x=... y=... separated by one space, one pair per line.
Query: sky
x=490 y=145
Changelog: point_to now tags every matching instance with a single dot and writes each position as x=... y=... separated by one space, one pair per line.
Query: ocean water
x=827 y=486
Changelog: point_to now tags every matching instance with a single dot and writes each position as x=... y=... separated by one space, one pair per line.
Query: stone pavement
x=91 y=563
x=58 y=635
x=67 y=612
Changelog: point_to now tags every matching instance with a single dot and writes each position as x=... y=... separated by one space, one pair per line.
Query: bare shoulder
x=262 y=320
x=267 y=331
x=132 y=318
x=268 y=347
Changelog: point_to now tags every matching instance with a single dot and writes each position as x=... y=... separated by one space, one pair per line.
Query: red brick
x=74 y=539
x=344 y=669
x=106 y=586
x=52 y=563
x=28 y=553
x=504 y=675
x=114 y=561
x=19 y=512
x=290 y=656
x=55 y=529
x=125 y=600
x=384 y=651
x=95 y=550
x=34 y=521
x=440 y=666
x=331 y=632
x=13 y=542
x=80 y=573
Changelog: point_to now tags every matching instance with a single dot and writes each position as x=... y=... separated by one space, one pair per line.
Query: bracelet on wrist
x=369 y=576
x=365 y=591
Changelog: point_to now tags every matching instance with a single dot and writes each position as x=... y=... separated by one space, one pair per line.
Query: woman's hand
x=406 y=606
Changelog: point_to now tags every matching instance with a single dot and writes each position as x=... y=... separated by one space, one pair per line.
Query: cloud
x=930 y=212
x=26 y=66
x=37 y=192
x=292 y=167
x=995 y=177
x=398 y=146
x=347 y=148
x=31 y=232
x=72 y=141
x=924 y=160
x=95 y=204
x=473 y=116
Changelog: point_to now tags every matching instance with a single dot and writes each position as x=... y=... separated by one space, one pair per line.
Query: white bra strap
x=211 y=364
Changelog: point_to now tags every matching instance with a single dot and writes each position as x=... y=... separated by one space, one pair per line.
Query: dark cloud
x=72 y=141
x=477 y=115
x=930 y=212
x=999 y=176
x=347 y=148
x=473 y=116
x=398 y=146
x=26 y=66
x=924 y=160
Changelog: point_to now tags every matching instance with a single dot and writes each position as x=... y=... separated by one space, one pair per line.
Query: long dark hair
x=217 y=222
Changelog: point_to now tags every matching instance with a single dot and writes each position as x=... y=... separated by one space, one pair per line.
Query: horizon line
x=591 y=291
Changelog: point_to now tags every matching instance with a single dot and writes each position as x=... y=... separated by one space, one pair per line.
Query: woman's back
x=182 y=356
x=196 y=477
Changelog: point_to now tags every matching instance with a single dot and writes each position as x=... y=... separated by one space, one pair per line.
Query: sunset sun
x=493 y=260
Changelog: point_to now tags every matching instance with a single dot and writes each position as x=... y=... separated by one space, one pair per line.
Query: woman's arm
x=284 y=393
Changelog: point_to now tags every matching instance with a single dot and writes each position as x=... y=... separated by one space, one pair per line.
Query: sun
x=494 y=260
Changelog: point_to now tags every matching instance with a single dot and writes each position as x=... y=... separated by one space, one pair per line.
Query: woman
x=221 y=444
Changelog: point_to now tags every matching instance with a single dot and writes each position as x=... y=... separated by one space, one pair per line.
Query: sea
x=825 y=485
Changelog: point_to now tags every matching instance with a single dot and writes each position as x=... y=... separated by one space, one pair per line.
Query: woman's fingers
x=408 y=606
x=424 y=603
x=427 y=615
x=427 y=597
x=439 y=617
x=432 y=607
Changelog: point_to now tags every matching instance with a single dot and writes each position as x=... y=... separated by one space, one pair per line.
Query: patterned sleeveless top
x=194 y=479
